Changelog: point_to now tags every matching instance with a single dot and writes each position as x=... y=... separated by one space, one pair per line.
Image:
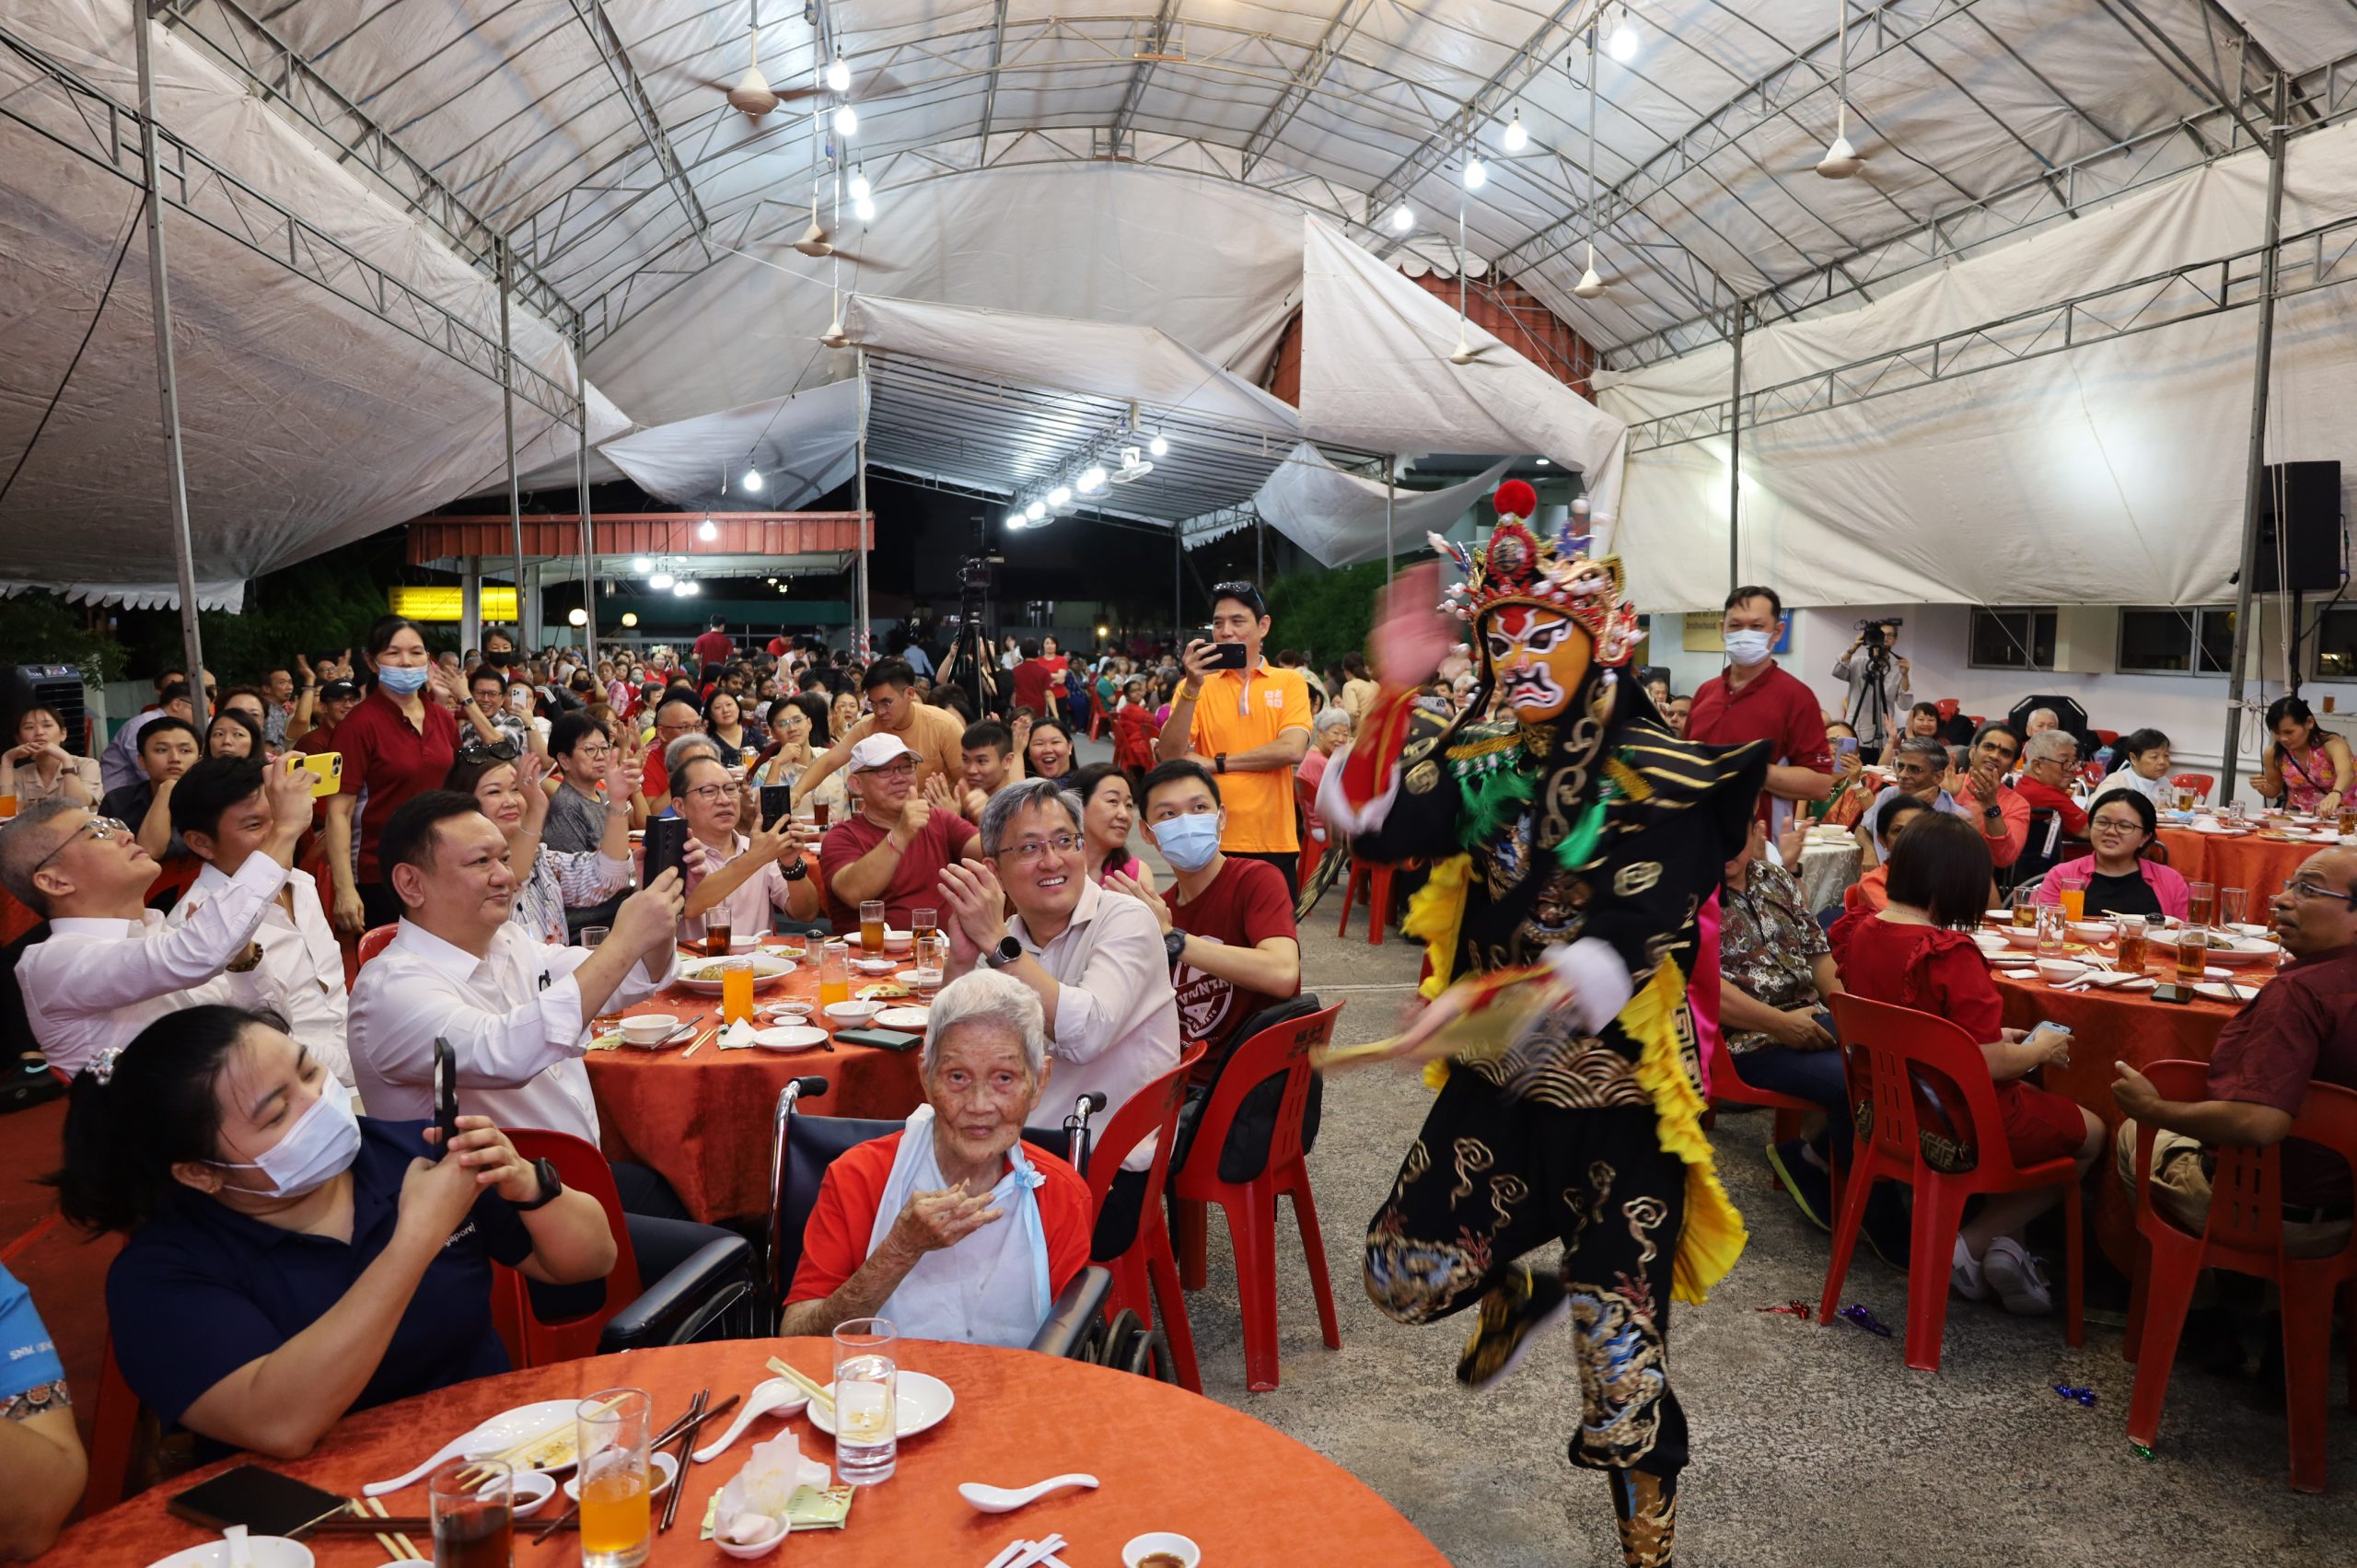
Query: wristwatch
x=1173 y=944
x=1219 y=763
x=551 y=1185
x=1006 y=953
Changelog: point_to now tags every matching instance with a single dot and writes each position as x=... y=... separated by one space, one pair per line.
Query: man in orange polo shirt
x=1249 y=725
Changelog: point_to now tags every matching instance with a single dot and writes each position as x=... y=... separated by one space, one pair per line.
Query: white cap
x=878 y=751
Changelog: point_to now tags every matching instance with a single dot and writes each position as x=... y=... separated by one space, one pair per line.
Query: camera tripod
x=1870 y=716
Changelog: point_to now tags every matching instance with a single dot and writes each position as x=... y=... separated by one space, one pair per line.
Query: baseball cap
x=338 y=692
x=878 y=751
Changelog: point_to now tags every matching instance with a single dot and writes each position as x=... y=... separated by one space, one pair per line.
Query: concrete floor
x=1812 y=1445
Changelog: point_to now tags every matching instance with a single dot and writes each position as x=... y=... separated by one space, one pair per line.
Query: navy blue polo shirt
x=201 y=1290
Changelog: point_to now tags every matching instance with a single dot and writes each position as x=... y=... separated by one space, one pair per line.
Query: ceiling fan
x=813 y=242
x=751 y=94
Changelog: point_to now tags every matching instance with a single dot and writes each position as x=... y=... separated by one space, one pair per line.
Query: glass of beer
x=2348 y=819
x=716 y=932
x=2025 y=907
x=735 y=989
x=923 y=923
x=871 y=927
x=2131 y=943
x=473 y=1504
x=617 y=1526
x=2201 y=902
x=818 y=814
x=2193 y=954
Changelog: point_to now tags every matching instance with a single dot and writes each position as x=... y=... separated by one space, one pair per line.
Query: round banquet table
x=1166 y=1460
x=2254 y=861
x=2107 y=1027
x=705 y=1121
x=1828 y=869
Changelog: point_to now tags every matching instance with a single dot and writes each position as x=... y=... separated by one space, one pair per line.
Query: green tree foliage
x=39 y=628
x=1326 y=614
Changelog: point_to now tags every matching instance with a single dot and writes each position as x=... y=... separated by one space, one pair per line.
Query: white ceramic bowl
x=2022 y=935
x=2060 y=972
x=533 y=1488
x=1139 y=1548
x=748 y=1551
x=852 y=1015
x=262 y=1552
x=743 y=944
x=650 y=1028
x=2093 y=931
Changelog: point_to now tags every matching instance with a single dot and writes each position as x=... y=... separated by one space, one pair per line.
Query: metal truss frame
x=71 y=113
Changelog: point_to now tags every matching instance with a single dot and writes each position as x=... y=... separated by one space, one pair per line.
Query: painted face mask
x=1541 y=655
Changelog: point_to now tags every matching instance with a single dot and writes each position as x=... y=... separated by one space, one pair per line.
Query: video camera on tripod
x=1876 y=633
x=968 y=663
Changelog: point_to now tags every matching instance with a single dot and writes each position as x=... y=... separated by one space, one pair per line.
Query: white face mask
x=1748 y=648
x=320 y=1147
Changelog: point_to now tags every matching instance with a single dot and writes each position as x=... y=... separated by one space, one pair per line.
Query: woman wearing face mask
x=1107 y=815
x=287 y=1261
x=548 y=880
x=396 y=744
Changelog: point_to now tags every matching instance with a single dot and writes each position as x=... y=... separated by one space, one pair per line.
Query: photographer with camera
x=1877 y=678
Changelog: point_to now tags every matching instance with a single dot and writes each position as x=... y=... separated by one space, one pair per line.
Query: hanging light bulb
x=1515 y=138
x=630 y=618
x=709 y=529
x=838 y=76
x=1159 y=446
x=1092 y=480
x=683 y=589
x=1403 y=218
x=640 y=565
x=1590 y=284
x=659 y=581
x=1475 y=176
x=1036 y=510
x=846 y=120
x=864 y=210
x=860 y=189
x=1622 y=44
x=1016 y=520
x=1060 y=497
x=753 y=481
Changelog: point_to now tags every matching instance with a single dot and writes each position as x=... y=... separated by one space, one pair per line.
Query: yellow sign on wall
x=447 y=602
x=1702 y=631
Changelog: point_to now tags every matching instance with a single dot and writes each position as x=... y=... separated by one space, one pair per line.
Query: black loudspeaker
x=2299 y=503
x=54 y=686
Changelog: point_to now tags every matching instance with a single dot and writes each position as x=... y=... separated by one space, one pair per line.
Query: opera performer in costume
x=1574 y=841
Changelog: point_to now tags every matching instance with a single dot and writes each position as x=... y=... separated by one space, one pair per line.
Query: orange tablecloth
x=1166 y=1460
x=705 y=1121
x=2108 y=1028
x=2253 y=863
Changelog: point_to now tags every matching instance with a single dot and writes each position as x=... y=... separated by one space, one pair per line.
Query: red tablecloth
x=2253 y=862
x=705 y=1121
x=1167 y=1461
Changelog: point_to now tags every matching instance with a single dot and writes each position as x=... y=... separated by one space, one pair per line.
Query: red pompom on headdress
x=1517 y=566
x=1515 y=499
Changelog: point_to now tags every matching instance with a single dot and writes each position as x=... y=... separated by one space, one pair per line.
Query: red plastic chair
x=2245 y=1234
x=374 y=940
x=1251 y=1206
x=1896 y=1040
x=532 y=1341
x=2200 y=784
x=114 y=1432
x=1947 y=706
x=1374 y=881
x=1146 y=1276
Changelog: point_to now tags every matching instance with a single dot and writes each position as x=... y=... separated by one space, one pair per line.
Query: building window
x=2335 y=645
x=2160 y=639
x=2010 y=638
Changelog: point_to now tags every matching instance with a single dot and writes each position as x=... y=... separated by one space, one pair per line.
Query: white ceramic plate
x=666 y=1470
x=2218 y=992
x=921 y=1402
x=2250 y=951
x=262 y=1552
x=768 y=970
x=911 y=976
x=902 y=1018
x=875 y=966
x=793 y=1037
x=546 y=1418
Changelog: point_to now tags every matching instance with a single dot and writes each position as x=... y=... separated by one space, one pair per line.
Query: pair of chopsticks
x=1026 y=1553
x=686 y=1428
x=686 y=1440
x=818 y=1392
x=713 y=1033
x=396 y=1545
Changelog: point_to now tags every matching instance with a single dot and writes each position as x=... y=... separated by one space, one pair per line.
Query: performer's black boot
x=1514 y=1312
x=1645 y=1507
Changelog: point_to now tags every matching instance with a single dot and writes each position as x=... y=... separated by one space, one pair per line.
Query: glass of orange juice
x=834 y=974
x=2074 y=902
x=735 y=989
x=617 y=1524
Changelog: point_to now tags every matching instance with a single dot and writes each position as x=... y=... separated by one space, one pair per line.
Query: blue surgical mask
x=1188 y=843
x=402 y=681
x=1747 y=647
x=320 y=1147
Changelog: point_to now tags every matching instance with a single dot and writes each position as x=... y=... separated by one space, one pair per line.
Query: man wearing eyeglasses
x=111 y=966
x=894 y=844
x=1249 y=724
x=2300 y=1028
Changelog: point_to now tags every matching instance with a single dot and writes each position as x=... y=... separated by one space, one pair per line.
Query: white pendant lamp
x=1516 y=138
x=1841 y=161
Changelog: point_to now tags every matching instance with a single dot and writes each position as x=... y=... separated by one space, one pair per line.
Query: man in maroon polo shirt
x=1754 y=699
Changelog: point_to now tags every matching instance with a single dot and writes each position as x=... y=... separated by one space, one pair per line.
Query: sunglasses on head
x=1246 y=594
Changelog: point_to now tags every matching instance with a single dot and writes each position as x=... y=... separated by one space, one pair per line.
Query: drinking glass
x=2025 y=907
x=818 y=814
x=735 y=991
x=592 y=936
x=716 y=932
x=2074 y=900
x=871 y=926
x=617 y=1526
x=932 y=960
x=834 y=974
x=2201 y=902
x=2131 y=950
x=474 y=1509
x=868 y=1442
x=2231 y=902
x=2193 y=954
x=922 y=923
x=2050 y=933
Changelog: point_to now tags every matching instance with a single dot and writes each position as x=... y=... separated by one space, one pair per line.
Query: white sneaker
x=2018 y=1279
x=1964 y=1274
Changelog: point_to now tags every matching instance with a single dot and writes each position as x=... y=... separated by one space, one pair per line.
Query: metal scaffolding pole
x=2255 y=475
x=1390 y=487
x=1178 y=583
x=507 y=408
x=581 y=486
x=1734 y=461
x=166 y=380
x=866 y=523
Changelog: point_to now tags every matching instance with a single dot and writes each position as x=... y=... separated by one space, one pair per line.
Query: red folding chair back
x=1251 y=1206
x=532 y=1341
x=2245 y=1234
x=1145 y=1276
x=2199 y=783
x=375 y=939
x=1897 y=1044
x=114 y=1433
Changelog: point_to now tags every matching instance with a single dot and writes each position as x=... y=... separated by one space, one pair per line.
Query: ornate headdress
x=1518 y=566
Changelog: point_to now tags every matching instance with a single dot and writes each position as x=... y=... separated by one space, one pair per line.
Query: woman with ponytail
x=287 y=1261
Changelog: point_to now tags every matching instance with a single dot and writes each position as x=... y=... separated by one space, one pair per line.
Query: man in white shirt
x=111 y=966
x=293 y=967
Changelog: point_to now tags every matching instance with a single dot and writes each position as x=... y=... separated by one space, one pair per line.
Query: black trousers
x=1284 y=863
x=1494 y=1176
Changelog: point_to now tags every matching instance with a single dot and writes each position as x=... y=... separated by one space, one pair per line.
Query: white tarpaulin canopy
x=803 y=445
x=1344 y=518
